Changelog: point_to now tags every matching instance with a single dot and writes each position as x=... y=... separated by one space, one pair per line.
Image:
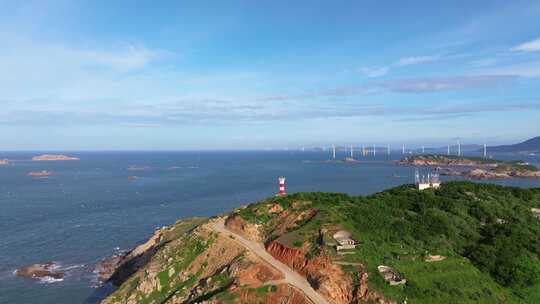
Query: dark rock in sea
x=38 y=271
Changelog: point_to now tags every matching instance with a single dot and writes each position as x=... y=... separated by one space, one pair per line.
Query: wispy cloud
x=203 y=111
x=373 y=72
x=529 y=69
x=531 y=46
x=405 y=61
x=423 y=85
x=437 y=84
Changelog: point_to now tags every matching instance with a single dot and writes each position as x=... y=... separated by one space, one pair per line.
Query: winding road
x=290 y=276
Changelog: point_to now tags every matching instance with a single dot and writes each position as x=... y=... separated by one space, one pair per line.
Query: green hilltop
x=487 y=238
x=487 y=233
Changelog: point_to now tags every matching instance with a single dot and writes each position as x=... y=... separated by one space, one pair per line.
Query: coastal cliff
x=253 y=254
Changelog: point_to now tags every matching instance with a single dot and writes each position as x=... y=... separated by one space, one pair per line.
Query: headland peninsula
x=460 y=243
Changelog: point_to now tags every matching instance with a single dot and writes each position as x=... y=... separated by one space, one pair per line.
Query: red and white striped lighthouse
x=281 y=180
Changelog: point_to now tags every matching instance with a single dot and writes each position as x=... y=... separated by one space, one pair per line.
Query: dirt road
x=291 y=277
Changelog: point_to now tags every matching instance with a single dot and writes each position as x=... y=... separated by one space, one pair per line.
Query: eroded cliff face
x=327 y=277
x=324 y=276
x=248 y=230
x=194 y=263
x=201 y=266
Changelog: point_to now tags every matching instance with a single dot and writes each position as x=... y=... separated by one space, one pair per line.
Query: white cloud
x=402 y=62
x=416 y=60
x=531 y=46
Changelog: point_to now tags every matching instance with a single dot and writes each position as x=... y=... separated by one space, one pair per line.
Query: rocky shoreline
x=473 y=168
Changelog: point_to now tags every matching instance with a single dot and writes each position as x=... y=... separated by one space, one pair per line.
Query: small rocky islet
x=40 y=271
x=54 y=157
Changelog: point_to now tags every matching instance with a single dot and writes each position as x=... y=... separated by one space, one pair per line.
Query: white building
x=344 y=240
x=426 y=181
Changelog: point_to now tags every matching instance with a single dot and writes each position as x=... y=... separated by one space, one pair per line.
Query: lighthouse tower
x=281 y=180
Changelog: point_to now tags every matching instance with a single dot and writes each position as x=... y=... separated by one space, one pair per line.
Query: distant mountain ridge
x=531 y=146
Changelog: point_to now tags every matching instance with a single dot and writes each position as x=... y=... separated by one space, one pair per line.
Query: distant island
x=473 y=167
x=529 y=146
x=4 y=161
x=461 y=243
x=41 y=174
x=53 y=157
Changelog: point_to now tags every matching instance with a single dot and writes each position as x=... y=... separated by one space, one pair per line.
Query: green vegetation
x=487 y=233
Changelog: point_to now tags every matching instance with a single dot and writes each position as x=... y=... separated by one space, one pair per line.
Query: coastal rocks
x=4 y=162
x=484 y=174
x=118 y=268
x=40 y=174
x=106 y=267
x=43 y=271
x=533 y=174
x=444 y=160
x=473 y=167
x=53 y=157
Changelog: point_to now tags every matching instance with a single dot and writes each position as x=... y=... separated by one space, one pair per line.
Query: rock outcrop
x=40 y=271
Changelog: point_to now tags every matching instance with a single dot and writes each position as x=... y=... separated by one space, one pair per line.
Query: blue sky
x=266 y=74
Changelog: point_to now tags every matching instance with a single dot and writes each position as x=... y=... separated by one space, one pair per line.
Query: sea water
x=91 y=208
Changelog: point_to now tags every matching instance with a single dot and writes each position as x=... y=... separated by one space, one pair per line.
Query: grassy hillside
x=487 y=232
